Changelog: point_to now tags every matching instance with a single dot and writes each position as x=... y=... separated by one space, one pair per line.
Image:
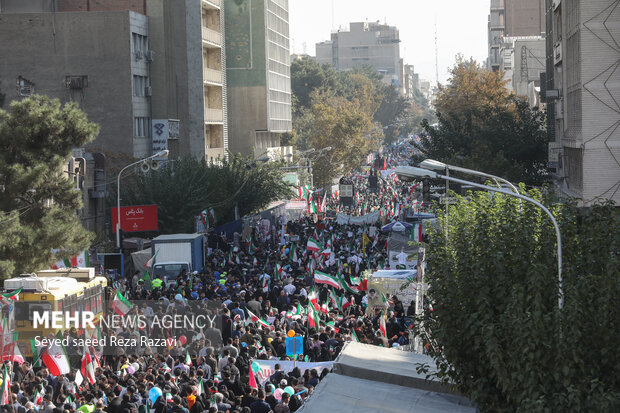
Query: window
x=139 y=44
x=141 y=127
x=139 y=85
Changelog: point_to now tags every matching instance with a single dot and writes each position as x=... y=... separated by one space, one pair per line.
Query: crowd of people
x=259 y=291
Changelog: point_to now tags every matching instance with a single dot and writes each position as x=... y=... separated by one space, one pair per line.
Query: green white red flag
x=55 y=357
x=6 y=384
x=82 y=260
x=313 y=318
x=121 y=305
x=87 y=367
x=255 y=319
x=382 y=325
x=12 y=295
x=188 y=359
x=314 y=245
x=323 y=278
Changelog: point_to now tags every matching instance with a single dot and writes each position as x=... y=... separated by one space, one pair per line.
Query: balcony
x=215 y=155
x=211 y=37
x=212 y=76
x=214 y=115
x=212 y=4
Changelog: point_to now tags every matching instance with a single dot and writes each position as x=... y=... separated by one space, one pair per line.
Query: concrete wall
x=525 y=17
x=45 y=48
x=176 y=72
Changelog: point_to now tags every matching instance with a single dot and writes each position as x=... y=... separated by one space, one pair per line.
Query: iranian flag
x=201 y=387
x=252 y=379
x=313 y=318
x=36 y=357
x=6 y=384
x=314 y=299
x=188 y=359
x=121 y=305
x=314 y=245
x=312 y=207
x=55 y=357
x=38 y=397
x=12 y=295
x=149 y=263
x=81 y=260
x=12 y=353
x=382 y=325
x=255 y=319
x=354 y=336
x=87 y=367
x=212 y=215
x=323 y=278
x=324 y=203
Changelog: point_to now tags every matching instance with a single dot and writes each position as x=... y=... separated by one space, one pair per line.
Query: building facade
x=522 y=60
x=100 y=71
x=583 y=85
x=258 y=76
x=144 y=65
x=366 y=43
x=511 y=18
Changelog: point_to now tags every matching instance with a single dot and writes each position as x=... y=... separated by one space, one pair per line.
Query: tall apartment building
x=88 y=58
x=152 y=71
x=510 y=18
x=189 y=74
x=410 y=81
x=522 y=60
x=258 y=76
x=366 y=43
x=583 y=85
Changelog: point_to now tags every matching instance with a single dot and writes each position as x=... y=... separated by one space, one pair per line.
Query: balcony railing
x=212 y=76
x=216 y=3
x=214 y=115
x=211 y=36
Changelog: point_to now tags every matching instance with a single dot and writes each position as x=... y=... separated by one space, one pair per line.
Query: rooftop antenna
x=436 y=56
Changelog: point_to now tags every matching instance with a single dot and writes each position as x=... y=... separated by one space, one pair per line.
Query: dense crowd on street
x=260 y=288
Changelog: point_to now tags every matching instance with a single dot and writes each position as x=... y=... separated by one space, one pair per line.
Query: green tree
x=185 y=187
x=483 y=126
x=38 y=203
x=349 y=130
x=501 y=338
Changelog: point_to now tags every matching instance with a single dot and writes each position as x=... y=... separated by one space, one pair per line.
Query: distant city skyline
x=461 y=28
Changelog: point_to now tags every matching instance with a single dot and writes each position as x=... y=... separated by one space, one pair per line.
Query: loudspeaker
x=145 y=166
x=155 y=165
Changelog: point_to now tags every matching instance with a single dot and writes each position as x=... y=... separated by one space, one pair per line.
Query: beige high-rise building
x=366 y=43
x=511 y=18
x=582 y=95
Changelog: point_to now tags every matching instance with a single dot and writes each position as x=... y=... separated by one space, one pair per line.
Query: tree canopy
x=482 y=126
x=187 y=186
x=350 y=111
x=38 y=203
x=499 y=334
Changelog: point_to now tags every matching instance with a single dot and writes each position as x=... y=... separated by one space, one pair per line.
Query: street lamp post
x=410 y=172
x=438 y=166
x=160 y=154
x=307 y=158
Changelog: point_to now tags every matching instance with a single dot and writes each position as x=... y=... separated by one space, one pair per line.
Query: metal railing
x=214 y=115
x=211 y=36
x=212 y=76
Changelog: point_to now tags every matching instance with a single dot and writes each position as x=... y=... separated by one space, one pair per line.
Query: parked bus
x=67 y=290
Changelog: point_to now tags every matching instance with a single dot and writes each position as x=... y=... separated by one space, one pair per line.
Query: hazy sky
x=461 y=27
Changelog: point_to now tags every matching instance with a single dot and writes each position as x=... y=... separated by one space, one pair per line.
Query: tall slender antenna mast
x=436 y=57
